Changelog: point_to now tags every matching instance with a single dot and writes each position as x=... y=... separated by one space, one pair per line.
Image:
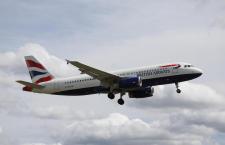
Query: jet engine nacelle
x=142 y=93
x=130 y=82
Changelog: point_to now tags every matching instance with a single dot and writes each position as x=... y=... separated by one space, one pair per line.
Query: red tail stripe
x=31 y=63
x=45 y=79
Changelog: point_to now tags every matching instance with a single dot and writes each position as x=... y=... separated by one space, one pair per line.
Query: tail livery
x=38 y=72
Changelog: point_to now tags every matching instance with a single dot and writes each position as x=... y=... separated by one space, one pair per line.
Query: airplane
x=137 y=82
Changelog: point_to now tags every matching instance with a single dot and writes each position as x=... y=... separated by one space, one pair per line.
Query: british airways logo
x=37 y=71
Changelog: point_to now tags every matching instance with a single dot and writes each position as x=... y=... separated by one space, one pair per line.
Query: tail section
x=38 y=72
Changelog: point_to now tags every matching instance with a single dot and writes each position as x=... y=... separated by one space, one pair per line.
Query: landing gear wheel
x=111 y=95
x=120 y=101
x=178 y=91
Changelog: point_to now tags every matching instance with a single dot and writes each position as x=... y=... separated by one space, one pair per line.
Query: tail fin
x=38 y=72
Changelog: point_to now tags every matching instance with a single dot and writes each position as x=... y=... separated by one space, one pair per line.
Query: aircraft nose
x=198 y=72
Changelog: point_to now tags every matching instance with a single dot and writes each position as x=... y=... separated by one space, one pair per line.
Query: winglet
x=67 y=61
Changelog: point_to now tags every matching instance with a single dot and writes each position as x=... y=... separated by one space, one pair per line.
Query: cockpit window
x=188 y=65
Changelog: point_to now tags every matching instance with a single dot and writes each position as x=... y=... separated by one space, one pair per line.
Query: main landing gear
x=120 y=100
x=111 y=95
x=178 y=90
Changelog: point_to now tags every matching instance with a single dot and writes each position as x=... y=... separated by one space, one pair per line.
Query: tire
x=178 y=91
x=111 y=96
x=120 y=101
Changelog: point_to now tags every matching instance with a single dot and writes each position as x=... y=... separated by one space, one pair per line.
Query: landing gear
x=111 y=95
x=120 y=100
x=178 y=90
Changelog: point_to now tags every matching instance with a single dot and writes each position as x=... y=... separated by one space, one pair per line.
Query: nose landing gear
x=178 y=90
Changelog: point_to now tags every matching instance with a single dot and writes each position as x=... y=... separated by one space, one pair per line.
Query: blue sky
x=113 y=35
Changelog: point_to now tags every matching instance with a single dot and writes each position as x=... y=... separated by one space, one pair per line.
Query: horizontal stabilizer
x=32 y=85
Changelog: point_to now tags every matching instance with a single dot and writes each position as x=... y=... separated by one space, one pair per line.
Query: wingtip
x=18 y=81
x=71 y=62
x=67 y=61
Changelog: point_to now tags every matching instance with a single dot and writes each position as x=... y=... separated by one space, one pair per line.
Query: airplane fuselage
x=150 y=76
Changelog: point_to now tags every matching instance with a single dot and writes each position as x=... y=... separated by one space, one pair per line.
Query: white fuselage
x=150 y=76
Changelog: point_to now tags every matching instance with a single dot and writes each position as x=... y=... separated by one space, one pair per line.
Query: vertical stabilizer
x=38 y=72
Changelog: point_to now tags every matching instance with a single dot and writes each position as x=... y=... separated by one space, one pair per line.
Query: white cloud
x=192 y=115
x=212 y=119
x=4 y=139
x=193 y=96
x=119 y=129
x=13 y=62
x=195 y=111
x=11 y=102
x=13 y=67
x=61 y=113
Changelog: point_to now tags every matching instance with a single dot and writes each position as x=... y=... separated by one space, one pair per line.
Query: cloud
x=12 y=102
x=192 y=115
x=13 y=67
x=119 y=129
x=61 y=113
x=212 y=119
x=193 y=96
x=13 y=62
x=4 y=139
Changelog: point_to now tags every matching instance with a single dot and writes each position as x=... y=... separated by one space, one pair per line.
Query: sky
x=112 y=35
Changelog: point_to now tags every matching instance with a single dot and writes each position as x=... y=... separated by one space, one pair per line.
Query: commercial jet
x=137 y=82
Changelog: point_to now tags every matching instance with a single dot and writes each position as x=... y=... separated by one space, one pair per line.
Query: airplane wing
x=32 y=85
x=105 y=77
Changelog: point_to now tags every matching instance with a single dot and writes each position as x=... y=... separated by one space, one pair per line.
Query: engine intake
x=130 y=82
x=142 y=93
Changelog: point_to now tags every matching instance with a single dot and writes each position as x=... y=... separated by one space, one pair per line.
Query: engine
x=130 y=82
x=142 y=93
